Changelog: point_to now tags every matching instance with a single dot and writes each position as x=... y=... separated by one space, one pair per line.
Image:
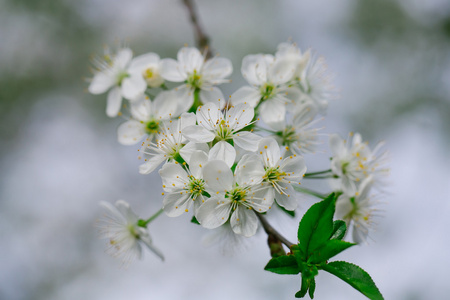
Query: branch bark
x=273 y=236
x=202 y=39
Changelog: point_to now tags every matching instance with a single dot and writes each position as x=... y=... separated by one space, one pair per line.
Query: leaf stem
x=144 y=223
x=309 y=192
x=317 y=173
x=272 y=232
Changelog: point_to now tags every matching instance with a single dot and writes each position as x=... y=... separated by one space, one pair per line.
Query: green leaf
x=328 y=250
x=283 y=265
x=355 y=276
x=312 y=288
x=194 y=220
x=339 y=229
x=303 y=289
x=316 y=226
x=289 y=212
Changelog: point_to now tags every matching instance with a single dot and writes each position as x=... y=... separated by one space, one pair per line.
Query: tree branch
x=201 y=38
x=273 y=235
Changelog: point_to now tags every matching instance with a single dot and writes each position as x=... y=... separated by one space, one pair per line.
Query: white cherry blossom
x=148 y=66
x=147 y=116
x=358 y=211
x=222 y=128
x=198 y=75
x=269 y=89
x=352 y=162
x=112 y=74
x=170 y=145
x=291 y=52
x=233 y=199
x=126 y=238
x=274 y=171
x=183 y=187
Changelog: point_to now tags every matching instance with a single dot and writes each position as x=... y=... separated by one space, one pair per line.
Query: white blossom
x=183 y=187
x=232 y=199
x=147 y=116
x=269 y=88
x=357 y=211
x=170 y=145
x=274 y=171
x=112 y=73
x=352 y=162
x=222 y=128
x=148 y=66
x=197 y=74
x=126 y=237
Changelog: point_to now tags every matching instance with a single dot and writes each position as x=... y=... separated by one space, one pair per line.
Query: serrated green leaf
x=283 y=265
x=339 y=229
x=194 y=220
x=316 y=226
x=355 y=276
x=328 y=250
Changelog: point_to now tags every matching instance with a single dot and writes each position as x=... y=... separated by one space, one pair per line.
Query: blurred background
x=59 y=156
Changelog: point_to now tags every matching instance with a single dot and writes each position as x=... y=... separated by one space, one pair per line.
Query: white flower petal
x=218 y=176
x=269 y=151
x=294 y=165
x=190 y=59
x=166 y=105
x=239 y=116
x=133 y=86
x=198 y=134
x=246 y=94
x=101 y=82
x=197 y=163
x=151 y=164
x=281 y=71
x=142 y=109
x=272 y=111
x=246 y=140
x=223 y=151
x=114 y=102
x=185 y=97
x=249 y=170
x=216 y=69
x=212 y=94
x=130 y=132
x=214 y=212
x=123 y=58
x=244 y=221
x=287 y=199
x=170 y=70
x=337 y=145
x=254 y=69
x=174 y=177
x=187 y=151
x=175 y=204
x=142 y=62
x=209 y=115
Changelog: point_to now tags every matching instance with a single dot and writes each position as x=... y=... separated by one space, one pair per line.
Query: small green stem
x=320 y=177
x=317 y=173
x=144 y=223
x=309 y=192
x=197 y=101
x=164 y=87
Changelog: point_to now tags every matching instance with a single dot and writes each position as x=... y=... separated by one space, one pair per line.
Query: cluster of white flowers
x=227 y=160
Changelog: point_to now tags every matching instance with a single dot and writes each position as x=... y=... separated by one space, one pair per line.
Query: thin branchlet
x=202 y=39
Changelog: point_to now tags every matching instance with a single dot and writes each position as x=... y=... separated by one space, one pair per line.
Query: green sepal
x=328 y=250
x=194 y=220
x=354 y=276
x=312 y=288
x=286 y=264
x=339 y=229
x=303 y=289
x=316 y=226
x=289 y=212
x=197 y=101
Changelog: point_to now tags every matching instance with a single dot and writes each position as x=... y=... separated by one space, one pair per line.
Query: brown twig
x=273 y=235
x=201 y=38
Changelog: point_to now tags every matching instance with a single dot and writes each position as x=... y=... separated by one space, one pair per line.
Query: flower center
x=121 y=76
x=196 y=187
x=223 y=131
x=288 y=135
x=267 y=91
x=132 y=229
x=273 y=175
x=152 y=127
x=237 y=195
x=148 y=73
x=194 y=80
